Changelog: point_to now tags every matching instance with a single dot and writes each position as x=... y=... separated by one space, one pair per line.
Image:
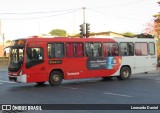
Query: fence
x=3 y=61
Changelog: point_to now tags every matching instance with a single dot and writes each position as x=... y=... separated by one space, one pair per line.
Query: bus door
x=35 y=64
x=151 y=58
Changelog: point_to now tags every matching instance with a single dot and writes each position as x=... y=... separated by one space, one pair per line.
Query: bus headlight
x=21 y=72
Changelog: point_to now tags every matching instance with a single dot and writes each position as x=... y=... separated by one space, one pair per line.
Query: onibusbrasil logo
x=20 y=107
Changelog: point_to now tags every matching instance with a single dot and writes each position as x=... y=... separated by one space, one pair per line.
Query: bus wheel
x=124 y=73
x=55 y=78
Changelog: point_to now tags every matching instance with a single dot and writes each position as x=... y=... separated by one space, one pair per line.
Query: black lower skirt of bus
x=14 y=79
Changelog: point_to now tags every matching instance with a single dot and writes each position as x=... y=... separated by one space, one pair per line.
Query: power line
x=29 y=13
x=40 y=17
x=108 y=15
x=120 y=5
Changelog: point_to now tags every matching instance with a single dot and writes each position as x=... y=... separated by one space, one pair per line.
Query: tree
x=128 y=34
x=153 y=27
x=157 y=24
x=144 y=36
x=58 y=32
x=8 y=41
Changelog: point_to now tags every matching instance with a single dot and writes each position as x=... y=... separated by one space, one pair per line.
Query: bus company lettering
x=73 y=73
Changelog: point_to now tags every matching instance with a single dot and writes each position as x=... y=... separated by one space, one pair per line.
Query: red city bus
x=54 y=59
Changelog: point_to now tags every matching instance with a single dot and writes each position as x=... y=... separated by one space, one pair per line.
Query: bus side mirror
x=4 y=53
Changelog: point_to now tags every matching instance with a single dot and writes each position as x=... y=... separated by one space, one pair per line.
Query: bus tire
x=124 y=73
x=55 y=78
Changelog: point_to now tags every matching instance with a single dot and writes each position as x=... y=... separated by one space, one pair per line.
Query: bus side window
x=105 y=49
x=34 y=57
x=35 y=54
x=110 y=49
x=114 y=49
x=88 y=50
x=70 y=50
x=151 y=48
x=79 y=50
x=97 y=49
x=74 y=49
x=56 y=50
x=130 y=47
x=29 y=54
x=52 y=50
x=59 y=51
x=141 y=49
x=123 y=49
x=93 y=49
x=126 y=49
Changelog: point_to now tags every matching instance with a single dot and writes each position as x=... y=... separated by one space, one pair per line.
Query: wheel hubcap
x=55 y=78
x=125 y=73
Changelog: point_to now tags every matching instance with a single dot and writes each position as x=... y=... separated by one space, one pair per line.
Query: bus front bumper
x=22 y=78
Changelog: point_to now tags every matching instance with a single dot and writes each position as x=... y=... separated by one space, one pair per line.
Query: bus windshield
x=16 y=57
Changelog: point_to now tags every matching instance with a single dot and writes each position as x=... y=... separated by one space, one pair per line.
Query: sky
x=22 y=18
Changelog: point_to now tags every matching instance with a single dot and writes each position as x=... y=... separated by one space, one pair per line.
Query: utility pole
x=85 y=27
x=0 y=28
x=3 y=47
x=3 y=38
x=84 y=20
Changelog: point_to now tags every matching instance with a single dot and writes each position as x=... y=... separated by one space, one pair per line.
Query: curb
x=155 y=72
x=3 y=68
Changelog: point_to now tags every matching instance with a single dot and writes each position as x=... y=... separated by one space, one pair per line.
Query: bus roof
x=135 y=39
x=66 y=39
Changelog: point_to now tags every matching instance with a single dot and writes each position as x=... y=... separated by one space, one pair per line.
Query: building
x=106 y=34
x=1 y=48
x=101 y=34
